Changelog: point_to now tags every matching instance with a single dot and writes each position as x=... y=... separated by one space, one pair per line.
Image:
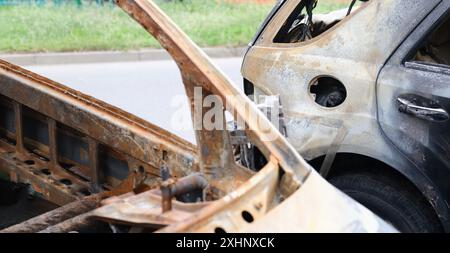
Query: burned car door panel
x=352 y=51
x=292 y=70
x=414 y=102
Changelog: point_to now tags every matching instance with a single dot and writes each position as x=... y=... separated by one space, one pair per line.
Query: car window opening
x=303 y=24
x=436 y=49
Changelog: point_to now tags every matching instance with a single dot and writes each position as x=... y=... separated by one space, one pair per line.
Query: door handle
x=422 y=108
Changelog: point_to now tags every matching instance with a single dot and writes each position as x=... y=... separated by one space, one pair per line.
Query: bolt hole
x=219 y=230
x=65 y=181
x=29 y=162
x=248 y=217
x=141 y=169
x=46 y=171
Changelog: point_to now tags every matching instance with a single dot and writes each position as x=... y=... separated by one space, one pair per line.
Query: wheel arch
x=404 y=171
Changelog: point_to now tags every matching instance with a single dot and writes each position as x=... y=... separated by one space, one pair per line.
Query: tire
x=398 y=203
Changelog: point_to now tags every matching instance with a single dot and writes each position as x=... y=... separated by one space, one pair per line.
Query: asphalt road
x=151 y=90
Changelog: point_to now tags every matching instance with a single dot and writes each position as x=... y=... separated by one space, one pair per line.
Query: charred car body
x=104 y=166
x=365 y=95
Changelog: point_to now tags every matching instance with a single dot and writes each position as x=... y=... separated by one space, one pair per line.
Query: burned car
x=110 y=171
x=365 y=97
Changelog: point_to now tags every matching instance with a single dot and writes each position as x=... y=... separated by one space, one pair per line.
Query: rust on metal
x=120 y=155
x=56 y=216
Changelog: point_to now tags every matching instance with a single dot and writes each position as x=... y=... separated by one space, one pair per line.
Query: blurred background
x=92 y=25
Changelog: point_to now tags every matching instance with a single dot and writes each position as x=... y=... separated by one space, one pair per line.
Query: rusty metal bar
x=189 y=183
x=73 y=224
x=166 y=191
x=216 y=153
x=166 y=197
x=56 y=216
x=53 y=143
x=170 y=189
x=18 y=127
x=94 y=166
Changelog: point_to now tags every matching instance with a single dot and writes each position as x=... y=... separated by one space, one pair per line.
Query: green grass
x=26 y=28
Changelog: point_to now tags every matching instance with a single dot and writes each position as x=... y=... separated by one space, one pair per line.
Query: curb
x=110 y=56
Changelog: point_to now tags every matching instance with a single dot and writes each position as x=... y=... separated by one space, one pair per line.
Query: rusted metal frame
x=73 y=224
x=123 y=210
x=56 y=216
x=85 y=219
x=39 y=148
x=18 y=123
x=49 y=187
x=257 y=197
x=74 y=215
x=197 y=70
x=30 y=168
x=215 y=150
x=96 y=174
x=53 y=143
x=166 y=198
x=102 y=122
x=171 y=188
x=43 y=175
x=214 y=146
x=145 y=144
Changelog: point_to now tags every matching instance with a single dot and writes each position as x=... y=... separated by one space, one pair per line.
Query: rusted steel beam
x=215 y=152
x=110 y=126
x=53 y=143
x=166 y=197
x=198 y=71
x=104 y=128
x=56 y=216
x=96 y=174
x=20 y=169
x=73 y=224
x=18 y=123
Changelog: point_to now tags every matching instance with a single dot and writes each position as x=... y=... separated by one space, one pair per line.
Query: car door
x=413 y=100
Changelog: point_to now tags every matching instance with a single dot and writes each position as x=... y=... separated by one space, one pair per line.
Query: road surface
x=151 y=90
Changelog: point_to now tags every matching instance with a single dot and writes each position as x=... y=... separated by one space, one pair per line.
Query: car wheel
x=398 y=204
